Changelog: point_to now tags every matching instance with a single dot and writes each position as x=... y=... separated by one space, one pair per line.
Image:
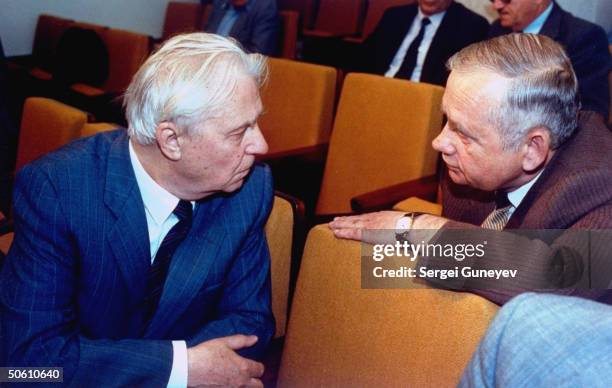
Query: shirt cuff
x=178 y=374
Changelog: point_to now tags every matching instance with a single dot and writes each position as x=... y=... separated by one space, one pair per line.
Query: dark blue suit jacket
x=587 y=47
x=74 y=280
x=460 y=27
x=256 y=28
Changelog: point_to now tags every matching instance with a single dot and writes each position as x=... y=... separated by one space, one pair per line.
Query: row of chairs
x=380 y=134
x=127 y=50
x=354 y=18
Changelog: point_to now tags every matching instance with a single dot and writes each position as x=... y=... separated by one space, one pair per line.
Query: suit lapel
x=128 y=237
x=552 y=25
x=189 y=267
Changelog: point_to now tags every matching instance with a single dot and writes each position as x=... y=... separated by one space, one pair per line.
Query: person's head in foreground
x=510 y=102
x=192 y=110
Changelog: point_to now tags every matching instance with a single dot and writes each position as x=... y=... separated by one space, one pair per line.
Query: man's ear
x=537 y=149
x=166 y=134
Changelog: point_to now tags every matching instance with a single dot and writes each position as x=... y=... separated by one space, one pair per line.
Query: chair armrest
x=425 y=188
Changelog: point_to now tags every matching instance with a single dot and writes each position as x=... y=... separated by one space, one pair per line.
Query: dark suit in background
x=574 y=192
x=74 y=281
x=256 y=27
x=459 y=28
x=587 y=47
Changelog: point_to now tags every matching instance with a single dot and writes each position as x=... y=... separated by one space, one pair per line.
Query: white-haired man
x=518 y=155
x=139 y=257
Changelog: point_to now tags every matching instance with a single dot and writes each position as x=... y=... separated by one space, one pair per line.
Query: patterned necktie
x=499 y=217
x=159 y=269
x=410 y=60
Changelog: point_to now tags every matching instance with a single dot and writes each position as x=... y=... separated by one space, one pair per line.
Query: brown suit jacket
x=574 y=194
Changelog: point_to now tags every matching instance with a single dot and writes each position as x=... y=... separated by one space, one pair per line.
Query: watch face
x=403 y=223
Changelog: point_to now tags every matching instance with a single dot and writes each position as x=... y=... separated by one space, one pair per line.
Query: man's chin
x=456 y=176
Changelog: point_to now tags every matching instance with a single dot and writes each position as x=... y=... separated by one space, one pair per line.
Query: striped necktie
x=499 y=217
x=159 y=269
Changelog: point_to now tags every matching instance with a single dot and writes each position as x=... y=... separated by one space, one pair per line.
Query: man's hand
x=379 y=224
x=352 y=227
x=215 y=362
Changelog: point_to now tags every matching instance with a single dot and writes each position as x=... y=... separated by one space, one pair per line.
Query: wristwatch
x=405 y=225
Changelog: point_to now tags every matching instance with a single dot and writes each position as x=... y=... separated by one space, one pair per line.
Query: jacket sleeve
x=245 y=303
x=38 y=300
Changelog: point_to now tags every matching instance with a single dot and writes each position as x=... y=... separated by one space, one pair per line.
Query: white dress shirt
x=536 y=25
x=159 y=205
x=516 y=197
x=430 y=32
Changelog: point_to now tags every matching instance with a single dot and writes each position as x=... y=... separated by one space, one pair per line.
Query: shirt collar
x=158 y=202
x=536 y=25
x=516 y=197
x=435 y=19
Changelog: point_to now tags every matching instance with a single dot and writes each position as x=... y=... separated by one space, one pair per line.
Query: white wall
x=18 y=17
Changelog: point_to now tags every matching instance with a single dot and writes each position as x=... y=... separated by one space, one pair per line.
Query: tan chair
x=90 y=129
x=382 y=136
x=299 y=99
x=126 y=52
x=182 y=17
x=374 y=13
x=337 y=18
x=49 y=30
x=288 y=37
x=341 y=335
x=279 y=235
x=305 y=8
x=46 y=125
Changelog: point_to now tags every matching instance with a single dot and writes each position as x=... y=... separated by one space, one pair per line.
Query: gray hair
x=187 y=80
x=543 y=90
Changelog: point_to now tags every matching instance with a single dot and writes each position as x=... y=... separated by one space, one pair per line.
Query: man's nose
x=442 y=143
x=257 y=144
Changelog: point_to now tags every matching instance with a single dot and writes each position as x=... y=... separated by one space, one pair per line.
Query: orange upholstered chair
x=286 y=212
x=90 y=129
x=46 y=125
x=374 y=13
x=307 y=10
x=289 y=35
x=182 y=17
x=381 y=137
x=343 y=335
x=337 y=18
x=299 y=99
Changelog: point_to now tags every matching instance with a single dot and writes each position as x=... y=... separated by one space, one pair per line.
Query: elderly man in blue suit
x=139 y=256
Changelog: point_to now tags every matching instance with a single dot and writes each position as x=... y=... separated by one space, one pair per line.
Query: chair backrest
x=342 y=335
x=375 y=11
x=307 y=10
x=49 y=30
x=339 y=17
x=279 y=235
x=46 y=125
x=381 y=137
x=90 y=129
x=288 y=37
x=182 y=17
x=126 y=52
x=298 y=99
